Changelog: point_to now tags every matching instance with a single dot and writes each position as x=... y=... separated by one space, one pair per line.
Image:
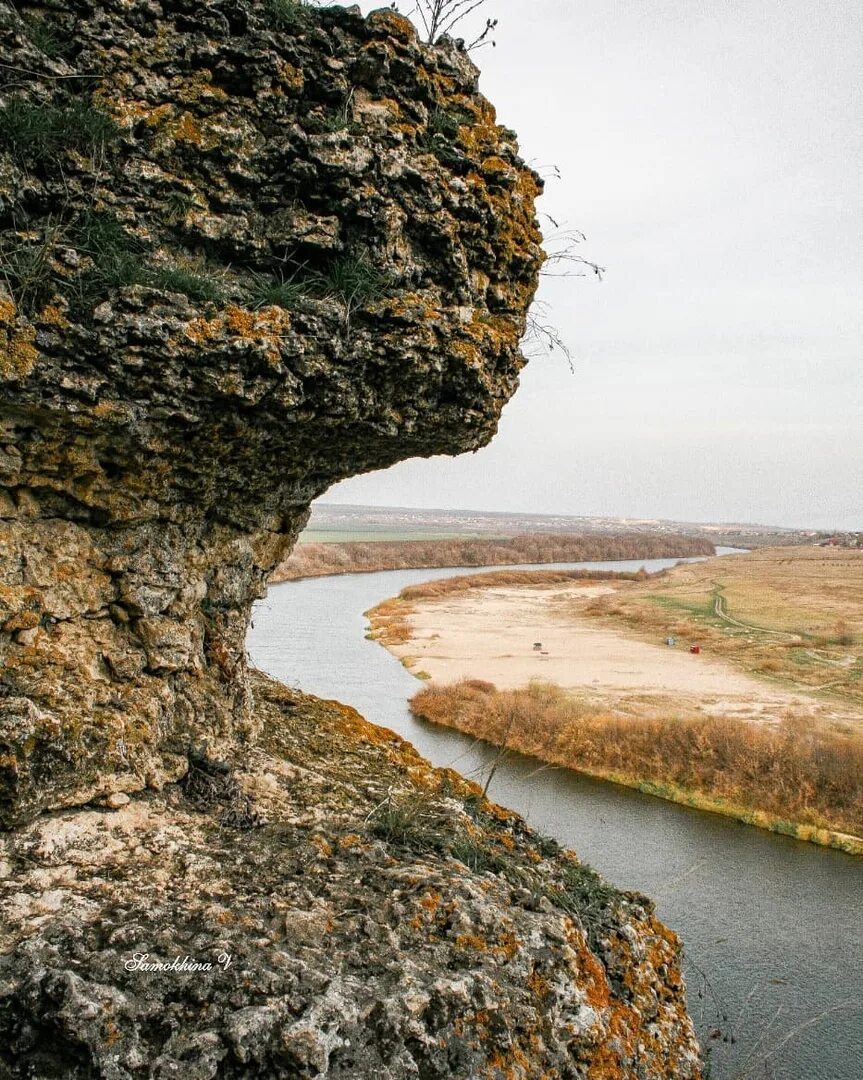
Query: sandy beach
x=490 y=634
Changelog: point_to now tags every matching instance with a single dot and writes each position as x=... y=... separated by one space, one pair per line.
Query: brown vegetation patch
x=317 y=560
x=432 y=590
x=791 y=771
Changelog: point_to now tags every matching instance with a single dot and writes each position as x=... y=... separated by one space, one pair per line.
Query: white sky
x=712 y=151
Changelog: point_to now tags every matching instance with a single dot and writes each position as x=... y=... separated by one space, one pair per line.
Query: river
x=772 y=926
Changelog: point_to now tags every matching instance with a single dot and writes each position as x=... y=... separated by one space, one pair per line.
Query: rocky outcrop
x=248 y=249
x=375 y=918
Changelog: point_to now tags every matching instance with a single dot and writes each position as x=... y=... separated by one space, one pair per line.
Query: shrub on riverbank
x=789 y=771
x=431 y=590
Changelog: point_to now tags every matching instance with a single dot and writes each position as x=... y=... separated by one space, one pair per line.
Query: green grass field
x=347 y=536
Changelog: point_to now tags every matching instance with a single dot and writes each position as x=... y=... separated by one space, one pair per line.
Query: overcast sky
x=712 y=151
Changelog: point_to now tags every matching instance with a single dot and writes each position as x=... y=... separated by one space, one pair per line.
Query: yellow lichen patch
x=265 y=328
x=323 y=846
x=471 y=943
x=514 y=1064
x=493 y=332
x=51 y=315
x=469 y=354
x=104 y=409
x=507 y=946
x=292 y=77
x=393 y=23
x=200 y=88
x=18 y=354
x=481 y=139
x=351 y=841
x=110 y=1033
x=496 y=164
x=431 y=901
x=202 y=330
x=593 y=977
x=127 y=112
x=186 y=129
x=538 y=985
x=391 y=105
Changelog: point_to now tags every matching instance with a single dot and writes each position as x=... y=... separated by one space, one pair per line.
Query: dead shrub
x=791 y=770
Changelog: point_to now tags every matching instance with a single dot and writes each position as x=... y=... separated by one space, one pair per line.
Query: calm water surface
x=772 y=926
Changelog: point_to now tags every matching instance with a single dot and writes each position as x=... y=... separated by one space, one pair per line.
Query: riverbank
x=363 y=557
x=787 y=779
x=700 y=709
x=723 y=887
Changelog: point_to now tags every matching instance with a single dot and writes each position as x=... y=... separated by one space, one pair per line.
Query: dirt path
x=490 y=634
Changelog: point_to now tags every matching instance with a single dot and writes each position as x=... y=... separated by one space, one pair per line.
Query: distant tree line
x=317 y=560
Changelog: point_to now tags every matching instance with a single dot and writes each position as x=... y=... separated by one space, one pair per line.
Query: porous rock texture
x=241 y=262
x=382 y=920
x=248 y=249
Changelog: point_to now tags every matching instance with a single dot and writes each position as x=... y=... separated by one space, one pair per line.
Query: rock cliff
x=249 y=249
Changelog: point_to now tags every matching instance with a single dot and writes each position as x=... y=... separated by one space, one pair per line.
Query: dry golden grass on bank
x=790 y=772
x=431 y=590
x=317 y=560
x=388 y=622
x=789 y=615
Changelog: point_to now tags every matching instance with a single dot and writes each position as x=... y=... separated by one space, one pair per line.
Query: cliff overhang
x=247 y=250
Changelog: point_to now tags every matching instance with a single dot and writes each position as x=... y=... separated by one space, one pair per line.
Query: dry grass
x=388 y=622
x=432 y=590
x=317 y=560
x=789 y=772
x=789 y=614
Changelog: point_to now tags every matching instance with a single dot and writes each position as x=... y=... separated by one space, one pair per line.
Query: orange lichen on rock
x=18 y=354
x=394 y=24
x=292 y=77
x=200 y=88
x=128 y=111
x=51 y=315
x=264 y=328
x=186 y=128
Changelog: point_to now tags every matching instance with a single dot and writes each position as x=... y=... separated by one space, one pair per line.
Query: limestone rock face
x=381 y=919
x=248 y=249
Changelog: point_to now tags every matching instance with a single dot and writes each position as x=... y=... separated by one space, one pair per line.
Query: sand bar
x=490 y=634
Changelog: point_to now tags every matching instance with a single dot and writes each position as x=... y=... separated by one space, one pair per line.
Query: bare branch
x=443 y=16
x=561 y=251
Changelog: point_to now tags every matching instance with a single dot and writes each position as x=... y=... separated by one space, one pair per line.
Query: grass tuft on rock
x=268 y=290
x=36 y=134
x=200 y=287
x=353 y=279
x=287 y=15
x=48 y=39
